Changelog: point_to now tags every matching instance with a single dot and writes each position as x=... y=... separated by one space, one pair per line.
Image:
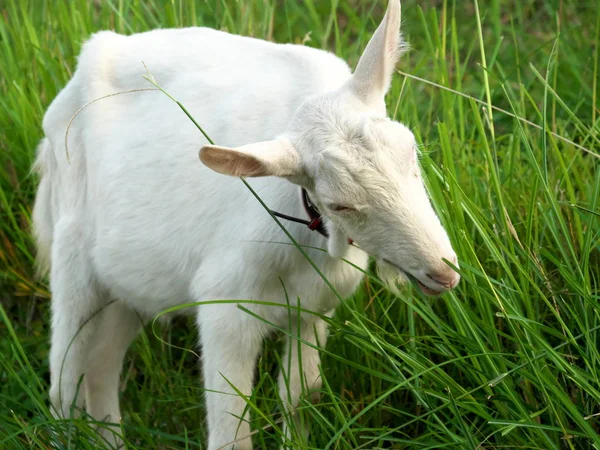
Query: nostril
x=447 y=280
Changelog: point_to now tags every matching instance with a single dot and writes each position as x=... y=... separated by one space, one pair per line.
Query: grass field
x=503 y=97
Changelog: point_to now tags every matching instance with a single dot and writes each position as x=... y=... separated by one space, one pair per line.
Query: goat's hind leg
x=89 y=334
x=76 y=301
x=117 y=326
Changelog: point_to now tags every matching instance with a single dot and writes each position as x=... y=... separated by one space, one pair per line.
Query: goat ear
x=373 y=74
x=268 y=158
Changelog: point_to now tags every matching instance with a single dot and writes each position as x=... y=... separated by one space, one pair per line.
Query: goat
x=130 y=223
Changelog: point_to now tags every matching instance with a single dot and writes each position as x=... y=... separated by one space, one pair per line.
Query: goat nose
x=445 y=276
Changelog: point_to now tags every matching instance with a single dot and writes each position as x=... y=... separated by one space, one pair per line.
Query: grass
x=510 y=359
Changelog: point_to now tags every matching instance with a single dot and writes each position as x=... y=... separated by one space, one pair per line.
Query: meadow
x=502 y=96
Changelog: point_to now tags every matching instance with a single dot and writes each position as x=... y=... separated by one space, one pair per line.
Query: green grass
x=510 y=359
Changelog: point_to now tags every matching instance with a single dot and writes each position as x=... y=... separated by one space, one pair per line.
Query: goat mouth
x=427 y=290
x=423 y=287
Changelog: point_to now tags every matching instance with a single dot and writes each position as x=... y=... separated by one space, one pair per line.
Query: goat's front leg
x=300 y=372
x=231 y=341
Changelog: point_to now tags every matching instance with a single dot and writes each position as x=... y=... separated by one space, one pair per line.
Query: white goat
x=132 y=223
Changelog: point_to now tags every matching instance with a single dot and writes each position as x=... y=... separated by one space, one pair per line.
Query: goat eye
x=340 y=208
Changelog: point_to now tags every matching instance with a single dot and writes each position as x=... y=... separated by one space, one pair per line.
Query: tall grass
x=509 y=360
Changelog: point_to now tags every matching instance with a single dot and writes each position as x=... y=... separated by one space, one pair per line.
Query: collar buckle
x=315 y=223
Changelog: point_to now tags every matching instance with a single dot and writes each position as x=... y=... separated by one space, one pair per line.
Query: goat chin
x=391 y=277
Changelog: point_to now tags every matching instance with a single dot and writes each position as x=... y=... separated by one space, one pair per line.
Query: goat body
x=131 y=214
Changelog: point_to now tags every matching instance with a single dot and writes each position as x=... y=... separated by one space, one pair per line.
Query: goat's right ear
x=268 y=158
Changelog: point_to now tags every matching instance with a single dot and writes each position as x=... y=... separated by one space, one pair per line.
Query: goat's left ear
x=269 y=158
x=373 y=74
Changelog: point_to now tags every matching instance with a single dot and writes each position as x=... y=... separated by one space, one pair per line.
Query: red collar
x=316 y=218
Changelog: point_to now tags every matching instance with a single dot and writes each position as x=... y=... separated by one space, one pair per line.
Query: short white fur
x=133 y=223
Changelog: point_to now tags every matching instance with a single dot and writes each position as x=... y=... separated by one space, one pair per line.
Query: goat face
x=360 y=168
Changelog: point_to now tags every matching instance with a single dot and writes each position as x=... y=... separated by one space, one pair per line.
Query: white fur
x=133 y=223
